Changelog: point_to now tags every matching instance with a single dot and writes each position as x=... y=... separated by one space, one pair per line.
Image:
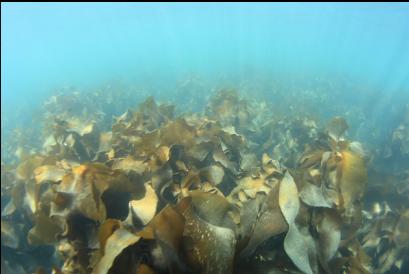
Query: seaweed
x=233 y=189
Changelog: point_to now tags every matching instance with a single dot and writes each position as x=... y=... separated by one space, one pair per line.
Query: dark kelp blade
x=337 y=127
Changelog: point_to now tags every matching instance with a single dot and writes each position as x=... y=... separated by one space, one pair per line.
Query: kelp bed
x=230 y=190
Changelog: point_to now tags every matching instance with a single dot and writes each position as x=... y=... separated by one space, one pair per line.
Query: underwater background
x=220 y=103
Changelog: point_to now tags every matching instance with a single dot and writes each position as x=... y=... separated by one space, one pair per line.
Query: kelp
x=337 y=127
x=234 y=189
x=115 y=244
x=145 y=208
x=208 y=248
x=295 y=243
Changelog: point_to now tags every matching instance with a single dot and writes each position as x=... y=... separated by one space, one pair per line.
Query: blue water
x=46 y=46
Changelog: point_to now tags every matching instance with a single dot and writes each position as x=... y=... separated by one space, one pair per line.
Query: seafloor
x=218 y=184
